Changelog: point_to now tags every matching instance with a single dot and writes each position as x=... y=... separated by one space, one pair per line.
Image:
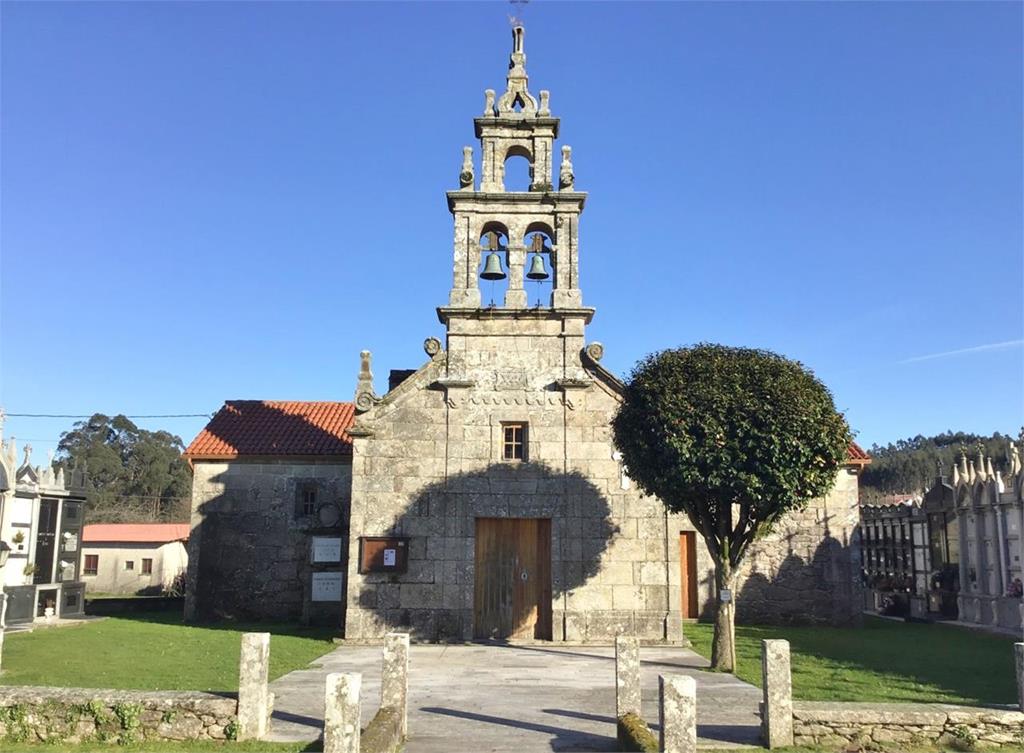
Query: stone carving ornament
x=365 y=397
x=466 y=175
x=516 y=92
x=566 y=177
x=432 y=346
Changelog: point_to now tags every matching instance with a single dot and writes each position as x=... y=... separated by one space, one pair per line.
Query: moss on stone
x=633 y=734
x=382 y=734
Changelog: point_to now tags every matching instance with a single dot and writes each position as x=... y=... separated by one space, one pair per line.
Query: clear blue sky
x=206 y=201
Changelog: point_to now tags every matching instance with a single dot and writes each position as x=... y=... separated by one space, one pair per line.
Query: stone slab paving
x=524 y=698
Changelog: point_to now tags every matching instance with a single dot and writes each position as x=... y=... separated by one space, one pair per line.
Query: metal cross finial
x=516 y=17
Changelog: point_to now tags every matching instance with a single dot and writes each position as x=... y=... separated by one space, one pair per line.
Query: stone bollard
x=253 y=694
x=394 y=681
x=627 y=676
x=677 y=712
x=341 y=713
x=1018 y=655
x=777 y=708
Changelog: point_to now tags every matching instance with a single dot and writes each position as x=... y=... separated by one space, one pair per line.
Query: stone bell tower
x=496 y=229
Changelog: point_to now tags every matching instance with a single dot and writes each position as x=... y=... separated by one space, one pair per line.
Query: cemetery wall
x=808 y=569
x=873 y=726
x=76 y=715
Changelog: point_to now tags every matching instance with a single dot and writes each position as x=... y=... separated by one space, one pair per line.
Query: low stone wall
x=873 y=726
x=75 y=715
x=384 y=732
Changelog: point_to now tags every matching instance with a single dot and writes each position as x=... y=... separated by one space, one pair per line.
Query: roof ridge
x=299 y=402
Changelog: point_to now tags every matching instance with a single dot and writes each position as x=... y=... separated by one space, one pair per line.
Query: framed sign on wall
x=383 y=554
x=327 y=587
x=326 y=549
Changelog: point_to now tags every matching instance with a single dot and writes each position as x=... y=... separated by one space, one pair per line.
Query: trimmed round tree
x=735 y=438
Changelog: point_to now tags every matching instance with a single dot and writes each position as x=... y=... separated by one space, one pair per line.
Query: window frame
x=509 y=446
x=86 y=570
x=129 y=565
x=147 y=566
x=305 y=506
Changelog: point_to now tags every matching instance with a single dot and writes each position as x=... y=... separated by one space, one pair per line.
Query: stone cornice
x=445 y=313
x=528 y=199
x=515 y=122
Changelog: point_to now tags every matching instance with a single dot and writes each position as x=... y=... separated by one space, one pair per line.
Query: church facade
x=482 y=496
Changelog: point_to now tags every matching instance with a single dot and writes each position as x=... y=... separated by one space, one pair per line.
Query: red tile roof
x=857 y=455
x=269 y=427
x=139 y=533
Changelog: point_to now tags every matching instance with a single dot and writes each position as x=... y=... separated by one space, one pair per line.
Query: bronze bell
x=537 y=270
x=492 y=268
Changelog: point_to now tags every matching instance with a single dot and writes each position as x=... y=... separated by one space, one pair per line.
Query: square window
x=513 y=442
x=129 y=564
x=92 y=564
x=147 y=566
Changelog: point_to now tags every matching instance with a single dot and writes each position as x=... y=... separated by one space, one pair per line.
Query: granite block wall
x=249 y=550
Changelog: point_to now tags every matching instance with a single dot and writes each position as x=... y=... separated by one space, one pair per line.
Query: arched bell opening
x=517 y=170
x=539 y=277
x=493 y=269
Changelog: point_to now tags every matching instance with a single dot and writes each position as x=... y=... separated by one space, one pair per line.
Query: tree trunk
x=723 y=645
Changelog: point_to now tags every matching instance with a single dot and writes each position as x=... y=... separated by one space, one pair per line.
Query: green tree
x=910 y=465
x=735 y=438
x=136 y=475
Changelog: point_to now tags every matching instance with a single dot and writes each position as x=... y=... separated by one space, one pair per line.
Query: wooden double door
x=512 y=582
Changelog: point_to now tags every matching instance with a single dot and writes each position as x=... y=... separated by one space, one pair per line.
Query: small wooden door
x=688 y=574
x=512 y=597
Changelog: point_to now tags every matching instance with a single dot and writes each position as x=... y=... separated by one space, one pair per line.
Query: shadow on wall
x=434 y=599
x=821 y=590
x=249 y=555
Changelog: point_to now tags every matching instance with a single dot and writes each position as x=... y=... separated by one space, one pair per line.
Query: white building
x=132 y=558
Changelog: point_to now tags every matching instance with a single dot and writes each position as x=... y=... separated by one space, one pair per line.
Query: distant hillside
x=909 y=465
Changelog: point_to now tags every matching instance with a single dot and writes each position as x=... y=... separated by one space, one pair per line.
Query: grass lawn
x=882 y=661
x=154 y=651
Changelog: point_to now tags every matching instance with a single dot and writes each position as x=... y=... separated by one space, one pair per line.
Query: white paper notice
x=389 y=557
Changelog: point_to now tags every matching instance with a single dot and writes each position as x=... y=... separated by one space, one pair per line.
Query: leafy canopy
x=136 y=475
x=910 y=465
x=708 y=427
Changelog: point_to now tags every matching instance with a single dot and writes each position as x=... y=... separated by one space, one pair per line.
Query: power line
x=67 y=415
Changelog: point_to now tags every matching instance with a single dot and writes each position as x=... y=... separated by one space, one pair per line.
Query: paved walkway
x=521 y=699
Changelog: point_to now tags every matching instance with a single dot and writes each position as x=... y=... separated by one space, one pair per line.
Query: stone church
x=481 y=496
